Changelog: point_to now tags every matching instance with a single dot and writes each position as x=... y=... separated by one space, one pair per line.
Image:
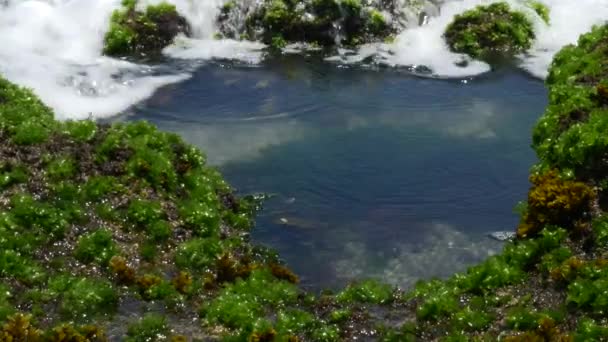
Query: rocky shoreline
x=122 y=231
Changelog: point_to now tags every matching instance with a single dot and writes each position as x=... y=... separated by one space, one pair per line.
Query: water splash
x=55 y=48
x=569 y=19
x=423 y=47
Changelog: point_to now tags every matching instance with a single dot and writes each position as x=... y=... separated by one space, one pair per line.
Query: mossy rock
x=322 y=22
x=484 y=30
x=76 y=201
x=571 y=135
x=554 y=201
x=541 y=9
x=133 y=32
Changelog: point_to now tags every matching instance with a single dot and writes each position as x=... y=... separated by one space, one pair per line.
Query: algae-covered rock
x=103 y=224
x=549 y=283
x=490 y=29
x=541 y=9
x=571 y=135
x=322 y=22
x=135 y=32
x=93 y=214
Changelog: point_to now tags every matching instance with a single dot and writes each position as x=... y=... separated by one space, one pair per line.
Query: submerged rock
x=502 y=235
x=323 y=22
x=136 y=32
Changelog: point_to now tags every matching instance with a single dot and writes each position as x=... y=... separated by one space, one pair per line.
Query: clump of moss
x=23 y=116
x=541 y=9
x=570 y=135
x=183 y=282
x=133 y=32
x=369 y=291
x=198 y=254
x=66 y=332
x=123 y=272
x=553 y=201
x=84 y=298
x=151 y=327
x=61 y=168
x=96 y=247
x=19 y=328
x=11 y=175
x=490 y=29
x=239 y=305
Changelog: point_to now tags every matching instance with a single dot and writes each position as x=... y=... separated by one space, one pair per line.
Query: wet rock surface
x=322 y=22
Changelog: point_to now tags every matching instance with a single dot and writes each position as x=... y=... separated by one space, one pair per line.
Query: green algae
x=490 y=29
x=151 y=327
x=11 y=175
x=61 y=168
x=84 y=298
x=99 y=187
x=369 y=291
x=239 y=304
x=589 y=330
x=23 y=116
x=569 y=135
x=80 y=131
x=96 y=247
x=93 y=192
x=134 y=32
x=472 y=320
x=198 y=254
x=143 y=212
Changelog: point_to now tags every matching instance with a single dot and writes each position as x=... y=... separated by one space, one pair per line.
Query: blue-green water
x=376 y=172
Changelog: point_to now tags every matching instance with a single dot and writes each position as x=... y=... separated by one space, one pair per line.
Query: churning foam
x=425 y=46
x=55 y=48
x=569 y=19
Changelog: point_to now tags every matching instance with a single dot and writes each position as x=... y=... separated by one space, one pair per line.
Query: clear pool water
x=375 y=173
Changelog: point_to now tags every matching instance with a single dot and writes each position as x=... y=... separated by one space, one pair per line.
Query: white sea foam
x=55 y=48
x=185 y=48
x=569 y=19
x=424 y=46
